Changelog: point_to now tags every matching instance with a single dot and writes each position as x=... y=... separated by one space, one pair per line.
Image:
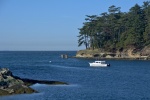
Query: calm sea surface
x=123 y=80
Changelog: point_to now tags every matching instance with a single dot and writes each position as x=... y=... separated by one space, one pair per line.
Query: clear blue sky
x=49 y=24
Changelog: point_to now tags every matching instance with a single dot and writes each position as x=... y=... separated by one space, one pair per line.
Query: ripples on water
x=123 y=80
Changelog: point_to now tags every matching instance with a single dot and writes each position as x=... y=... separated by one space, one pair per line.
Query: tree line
x=116 y=30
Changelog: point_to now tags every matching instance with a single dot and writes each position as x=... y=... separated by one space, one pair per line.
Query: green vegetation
x=116 y=30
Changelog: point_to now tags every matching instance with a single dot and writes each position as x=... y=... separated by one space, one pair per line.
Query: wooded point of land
x=116 y=30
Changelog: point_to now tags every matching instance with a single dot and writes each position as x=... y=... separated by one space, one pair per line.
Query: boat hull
x=98 y=65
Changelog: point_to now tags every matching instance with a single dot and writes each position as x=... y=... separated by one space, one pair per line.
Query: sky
x=49 y=25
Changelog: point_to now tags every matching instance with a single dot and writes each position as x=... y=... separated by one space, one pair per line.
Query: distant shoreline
x=96 y=54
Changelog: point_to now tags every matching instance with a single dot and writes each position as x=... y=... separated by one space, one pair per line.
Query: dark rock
x=29 y=82
x=10 y=84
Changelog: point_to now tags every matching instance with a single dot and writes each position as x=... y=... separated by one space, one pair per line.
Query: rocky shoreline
x=130 y=53
x=10 y=84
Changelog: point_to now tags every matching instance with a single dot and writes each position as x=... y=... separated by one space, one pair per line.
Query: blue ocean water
x=123 y=80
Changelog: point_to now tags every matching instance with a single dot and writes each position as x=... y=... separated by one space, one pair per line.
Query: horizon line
x=39 y=50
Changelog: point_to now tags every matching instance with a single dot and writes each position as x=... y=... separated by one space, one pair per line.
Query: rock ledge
x=10 y=84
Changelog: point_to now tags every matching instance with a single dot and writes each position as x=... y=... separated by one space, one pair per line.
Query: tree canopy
x=115 y=30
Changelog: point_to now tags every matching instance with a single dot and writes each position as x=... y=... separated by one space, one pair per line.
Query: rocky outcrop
x=146 y=51
x=94 y=54
x=10 y=84
x=130 y=53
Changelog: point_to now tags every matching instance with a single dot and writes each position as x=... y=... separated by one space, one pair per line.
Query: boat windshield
x=102 y=62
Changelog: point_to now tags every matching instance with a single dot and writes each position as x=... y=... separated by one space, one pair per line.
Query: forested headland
x=116 y=30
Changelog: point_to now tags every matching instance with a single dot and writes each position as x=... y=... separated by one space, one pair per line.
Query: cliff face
x=130 y=53
x=146 y=51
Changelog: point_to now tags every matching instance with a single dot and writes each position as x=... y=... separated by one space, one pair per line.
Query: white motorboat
x=99 y=64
